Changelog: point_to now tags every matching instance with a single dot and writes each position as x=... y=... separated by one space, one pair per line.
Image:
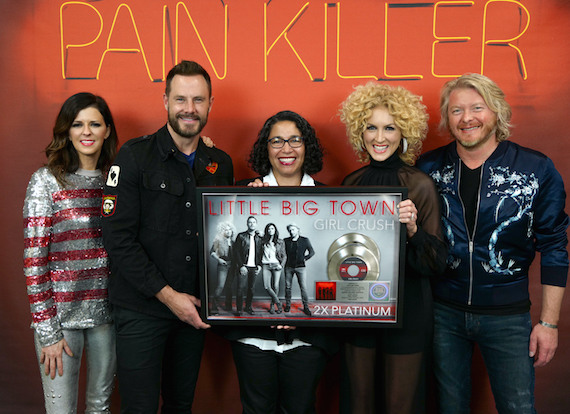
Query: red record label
x=353 y=268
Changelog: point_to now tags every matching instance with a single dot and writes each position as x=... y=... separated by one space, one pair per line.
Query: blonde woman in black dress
x=386 y=127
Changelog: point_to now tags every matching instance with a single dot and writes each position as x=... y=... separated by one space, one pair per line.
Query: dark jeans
x=271 y=278
x=222 y=276
x=228 y=287
x=269 y=380
x=503 y=341
x=301 y=273
x=151 y=350
x=247 y=283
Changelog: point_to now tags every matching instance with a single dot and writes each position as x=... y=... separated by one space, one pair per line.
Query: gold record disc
x=354 y=262
x=354 y=238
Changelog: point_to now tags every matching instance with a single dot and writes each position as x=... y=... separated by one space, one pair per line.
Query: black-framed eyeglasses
x=294 y=142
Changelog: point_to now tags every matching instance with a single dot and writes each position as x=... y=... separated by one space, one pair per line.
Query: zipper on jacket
x=471 y=237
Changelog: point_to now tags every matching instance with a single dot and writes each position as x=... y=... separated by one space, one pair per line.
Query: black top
x=469 y=190
x=426 y=251
x=298 y=251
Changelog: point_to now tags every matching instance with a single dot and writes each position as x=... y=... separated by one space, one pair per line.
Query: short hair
x=258 y=159
x=187 y=68
x=61 y=154
x=251 y=217
x=409 y=115
x=493 y=95
x=293 y=225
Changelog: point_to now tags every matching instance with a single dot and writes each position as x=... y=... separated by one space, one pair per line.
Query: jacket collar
x=167 y=148
x=203 y=154
x=497 y=154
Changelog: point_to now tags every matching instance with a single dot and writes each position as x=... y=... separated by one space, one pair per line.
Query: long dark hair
x=266 y=237
x=259 y=156
x=61 y=154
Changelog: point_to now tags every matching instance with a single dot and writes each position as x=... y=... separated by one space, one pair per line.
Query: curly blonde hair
x=409 y=115
x=223 y=226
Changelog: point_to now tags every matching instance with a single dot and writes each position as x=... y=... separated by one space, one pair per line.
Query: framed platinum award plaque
x=302 y=255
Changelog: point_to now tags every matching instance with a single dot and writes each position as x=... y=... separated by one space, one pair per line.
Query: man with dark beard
x=501 y=204
x=151 y=236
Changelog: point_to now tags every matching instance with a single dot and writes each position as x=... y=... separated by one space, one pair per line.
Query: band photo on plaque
x=327 y=256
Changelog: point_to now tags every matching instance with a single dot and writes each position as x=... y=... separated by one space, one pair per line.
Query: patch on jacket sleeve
x=113 y=177
x=109 y=205
x=212 y=167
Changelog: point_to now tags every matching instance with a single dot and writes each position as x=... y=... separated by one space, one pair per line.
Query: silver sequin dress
x=65 y=263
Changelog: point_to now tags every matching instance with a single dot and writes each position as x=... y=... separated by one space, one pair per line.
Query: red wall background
x=264 y=56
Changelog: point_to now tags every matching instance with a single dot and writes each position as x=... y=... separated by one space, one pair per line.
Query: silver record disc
x=354 y=262
x=354 y=238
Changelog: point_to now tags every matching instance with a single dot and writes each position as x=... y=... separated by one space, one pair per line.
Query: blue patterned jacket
x=520 y=211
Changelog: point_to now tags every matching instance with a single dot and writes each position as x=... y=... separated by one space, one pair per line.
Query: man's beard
x=190 y=131
x=487 y=133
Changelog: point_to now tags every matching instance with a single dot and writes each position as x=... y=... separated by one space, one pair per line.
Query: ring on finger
x=412 y=216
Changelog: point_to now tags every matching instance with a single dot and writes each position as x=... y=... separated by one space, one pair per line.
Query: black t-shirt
x=469 y=190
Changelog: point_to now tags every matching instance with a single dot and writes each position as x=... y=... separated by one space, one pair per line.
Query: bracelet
x=548 y=325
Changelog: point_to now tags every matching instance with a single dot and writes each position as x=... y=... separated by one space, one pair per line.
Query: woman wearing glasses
x=287 y=152
x=279 y=368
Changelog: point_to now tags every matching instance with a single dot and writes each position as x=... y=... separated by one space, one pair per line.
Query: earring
x=404 y=145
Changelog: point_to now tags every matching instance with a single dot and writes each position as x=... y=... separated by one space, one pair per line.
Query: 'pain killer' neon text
x=168 y=25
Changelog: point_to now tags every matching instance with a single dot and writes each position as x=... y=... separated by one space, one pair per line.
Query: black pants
x=271 y=382
x=246 y=283
x=147 y=347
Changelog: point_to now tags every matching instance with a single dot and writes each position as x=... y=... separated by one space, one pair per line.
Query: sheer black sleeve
x=427 y=250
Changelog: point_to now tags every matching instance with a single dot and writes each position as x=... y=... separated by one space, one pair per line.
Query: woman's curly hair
x=258 y=159
x=409 y=115
x=223 y=226
x=220 y=246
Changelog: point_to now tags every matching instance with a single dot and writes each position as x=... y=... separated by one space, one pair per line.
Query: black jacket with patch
x=152 y=234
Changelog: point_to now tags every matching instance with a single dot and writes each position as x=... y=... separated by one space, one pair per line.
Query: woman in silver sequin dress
x=65 y=263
